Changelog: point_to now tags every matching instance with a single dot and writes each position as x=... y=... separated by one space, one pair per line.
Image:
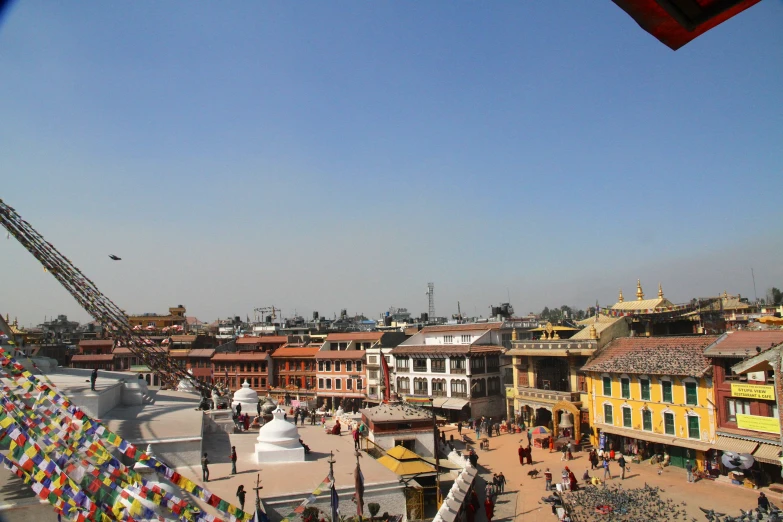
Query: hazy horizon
x=330 y=156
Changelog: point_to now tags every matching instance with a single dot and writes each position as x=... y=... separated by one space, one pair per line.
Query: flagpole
x=258 y=489
x=437 y=453
x=333 y=499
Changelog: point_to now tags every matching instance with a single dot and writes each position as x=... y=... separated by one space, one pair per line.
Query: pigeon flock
x=756 y=515
x=616 y=504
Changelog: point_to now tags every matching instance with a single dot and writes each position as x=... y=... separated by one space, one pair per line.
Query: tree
x=374 y=507
x=775 y=296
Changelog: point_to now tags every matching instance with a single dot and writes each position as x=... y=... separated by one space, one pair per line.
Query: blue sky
x=319 y=156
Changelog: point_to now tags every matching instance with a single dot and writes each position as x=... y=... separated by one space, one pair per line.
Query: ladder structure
x=100 y=307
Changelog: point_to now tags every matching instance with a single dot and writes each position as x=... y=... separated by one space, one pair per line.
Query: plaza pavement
x=522 y=499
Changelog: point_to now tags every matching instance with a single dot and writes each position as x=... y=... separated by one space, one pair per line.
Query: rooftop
x=481 y=327
x=394 y=412
x=653 y=356
x=446 y=349
x=742 y=343
x=263 y=339
x=355 y=336
x=296 y=351
x=97 y=342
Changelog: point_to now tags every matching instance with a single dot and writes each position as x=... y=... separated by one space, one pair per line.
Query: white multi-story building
x=457 y=365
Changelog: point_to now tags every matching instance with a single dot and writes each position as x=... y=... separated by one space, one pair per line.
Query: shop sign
x=753 y=391
x=758 y=423
x=511 y=392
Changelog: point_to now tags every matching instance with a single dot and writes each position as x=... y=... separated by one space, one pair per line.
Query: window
x=358 y=384
x=627 y=417
x=735 y=406
x=349 y=386
x=373 y=374
x=372 y=359
x=263 y=366
x=494 y=385
x=466 y=339
x=646 y=420
x=255 y=367
x=607 y=386
x=608 y=414
x=263 y=382
x=328 y=366
x=493 y=363
x=645 y=385
x=321 y=383
x=448 y=339
x=255 y=382
x=338 y=384
x=668 y=423
x=625 y=388
x=691 y=394
x=693 y=427
x=477 y=365
x=337 y=366
x=439 y=387
x=420 y=365
x=438 y=365
x=458 y=365
x=403 y=384
x=459 y=388
x=420 y=387
x=666 y=386
x=328 y=384
x=358 y=366
x=402 y=363
x=478 y=388
x=348 y=366
x=320 y=366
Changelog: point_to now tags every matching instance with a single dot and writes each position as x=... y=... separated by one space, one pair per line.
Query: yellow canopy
x=406 y=467
x=402 y=453
x=769 y=319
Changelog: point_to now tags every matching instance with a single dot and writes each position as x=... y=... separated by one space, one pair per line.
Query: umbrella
x=734 y=460
x=540 y=430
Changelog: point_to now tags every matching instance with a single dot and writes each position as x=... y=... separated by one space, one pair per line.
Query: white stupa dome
x=152 y=479
x=278 y=441
x=247 y=397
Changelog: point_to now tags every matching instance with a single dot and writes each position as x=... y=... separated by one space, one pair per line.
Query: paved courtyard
x=522 y=499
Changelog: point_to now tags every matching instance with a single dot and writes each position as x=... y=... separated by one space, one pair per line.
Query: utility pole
x=755 y=295
x=258 y=489
x=437 y=453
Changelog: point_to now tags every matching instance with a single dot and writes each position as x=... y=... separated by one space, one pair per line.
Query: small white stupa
x=186 y=385
x=278 y=441
x=247 y=397
x=152 y=478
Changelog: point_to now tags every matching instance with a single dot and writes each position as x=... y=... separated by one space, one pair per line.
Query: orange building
x=295 y=371
x=174 y=321
x=341 y=371
x=95 y=353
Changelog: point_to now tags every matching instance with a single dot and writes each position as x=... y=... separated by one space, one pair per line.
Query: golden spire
x=620 y=299
x=514 y=334
x=639 y=293
x=660 y=291
x=593 y=333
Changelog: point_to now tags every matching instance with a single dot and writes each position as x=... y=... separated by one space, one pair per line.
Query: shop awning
x=768 y=453
x=736 y=445
x=454 y=404
x=655 y=437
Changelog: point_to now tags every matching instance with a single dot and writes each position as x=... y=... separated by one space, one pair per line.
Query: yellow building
x=653 y=395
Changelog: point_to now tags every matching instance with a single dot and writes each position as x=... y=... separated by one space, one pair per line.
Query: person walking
x=241 y=496
x=521 y=452
x=489 y=508
x=93 y=378
x=529 y=455
x=689 y=470
x=593 y=459
x=205 y=468
x=548 y=479
x=607 y=472
x=529 y=436
x=459 y=428
x=246 y=421
x=621 y=462
x=239 y=408
x=258 y=408
x=356 y=438
x=233 y=460
x=502 y=481
x=763 y=502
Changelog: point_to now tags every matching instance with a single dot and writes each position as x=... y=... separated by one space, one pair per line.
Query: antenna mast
x=431 y=296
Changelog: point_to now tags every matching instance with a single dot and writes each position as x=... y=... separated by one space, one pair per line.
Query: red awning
x=677 y=22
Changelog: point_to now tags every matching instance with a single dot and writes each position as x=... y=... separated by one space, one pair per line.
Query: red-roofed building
x=236 y=367
x=295 y=372
x=341 y=371
x=95 y=353
x=747 y=413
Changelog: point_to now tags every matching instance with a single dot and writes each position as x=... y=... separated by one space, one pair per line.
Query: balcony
x=553 y=396
x=458 y=370
x=402 y=369
x=461 y=395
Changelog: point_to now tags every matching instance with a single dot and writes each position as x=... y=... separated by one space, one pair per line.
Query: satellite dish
x=734 y=460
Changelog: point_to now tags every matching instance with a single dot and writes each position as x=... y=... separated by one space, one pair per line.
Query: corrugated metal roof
x=653 y=355
x=741 y=343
